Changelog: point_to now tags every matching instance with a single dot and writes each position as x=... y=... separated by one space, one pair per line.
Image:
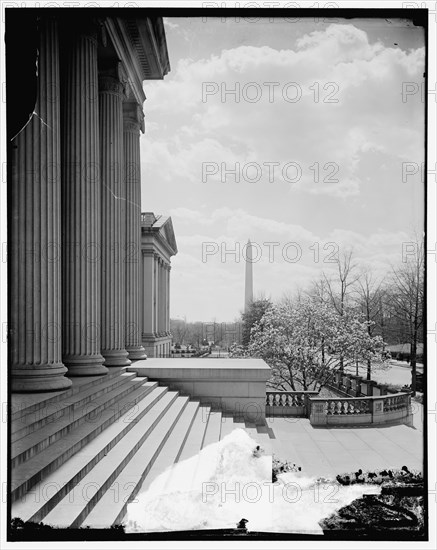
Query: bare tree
x=406 y=297
x=338 y=289
x=369 y=301
x=179 y=330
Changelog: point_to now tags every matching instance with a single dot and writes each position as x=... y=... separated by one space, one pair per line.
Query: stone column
x=113 y=222
x=161 y=297
x=168 y=300
x=35 y=234
x=156 y=294
x=81 y=206
x=148 y=325
x=165 y=292
x=133 y=117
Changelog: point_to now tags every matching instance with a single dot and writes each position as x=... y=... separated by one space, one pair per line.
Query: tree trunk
x=413 y=358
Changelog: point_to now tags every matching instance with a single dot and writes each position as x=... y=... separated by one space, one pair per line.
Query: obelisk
x=248 y=286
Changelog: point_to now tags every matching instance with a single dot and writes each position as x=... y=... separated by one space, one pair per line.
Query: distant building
x=158 y=244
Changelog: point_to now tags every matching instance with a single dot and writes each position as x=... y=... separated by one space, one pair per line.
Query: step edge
x=144 y=473
x=97 y=429
x=56 y=435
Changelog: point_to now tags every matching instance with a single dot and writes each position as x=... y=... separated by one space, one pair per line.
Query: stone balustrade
x=288 y=403
x=382 y=409
x=355 y=386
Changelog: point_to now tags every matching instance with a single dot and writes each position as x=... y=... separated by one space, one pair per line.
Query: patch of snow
x=227 y=481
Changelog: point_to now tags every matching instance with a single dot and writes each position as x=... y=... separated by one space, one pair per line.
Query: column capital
x=83 y=27
x=110 y=83
x=133 y=117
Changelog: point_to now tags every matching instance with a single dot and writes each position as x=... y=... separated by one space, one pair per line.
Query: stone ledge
x=234 y=386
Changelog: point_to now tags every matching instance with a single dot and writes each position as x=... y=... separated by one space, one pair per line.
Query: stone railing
x=383 y=409
x=288 y=403
x=347 y=384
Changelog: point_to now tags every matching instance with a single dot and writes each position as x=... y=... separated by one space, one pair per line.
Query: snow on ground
x=398 y=373
x=228 y=481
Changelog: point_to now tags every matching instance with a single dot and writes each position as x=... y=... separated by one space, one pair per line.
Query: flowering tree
x=306 y=342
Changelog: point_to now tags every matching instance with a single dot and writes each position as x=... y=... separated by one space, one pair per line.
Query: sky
x=305 y=134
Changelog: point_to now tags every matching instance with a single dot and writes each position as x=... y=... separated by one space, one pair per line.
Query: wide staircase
x=79 y=457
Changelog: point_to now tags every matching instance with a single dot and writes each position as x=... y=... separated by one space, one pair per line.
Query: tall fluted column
x=35 y=234
x=81 y=206
x=167 y=328
x=156 y=295
x=164 y=294
x=132 y=173
x=161 y=298
x=148 y=325
x=113 y=228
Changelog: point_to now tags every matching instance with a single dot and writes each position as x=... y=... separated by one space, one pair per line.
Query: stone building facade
x=158 y=244
x=74 y=191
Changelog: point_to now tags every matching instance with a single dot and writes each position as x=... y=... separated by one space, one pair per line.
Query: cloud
x=328 y=101
x=321 y=119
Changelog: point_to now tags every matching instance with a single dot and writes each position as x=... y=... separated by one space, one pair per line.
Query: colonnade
x=75 y=230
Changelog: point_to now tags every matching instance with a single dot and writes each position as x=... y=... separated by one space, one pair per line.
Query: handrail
x=367 y=397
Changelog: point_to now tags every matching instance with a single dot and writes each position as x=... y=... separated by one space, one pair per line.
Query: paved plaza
x=330 y=451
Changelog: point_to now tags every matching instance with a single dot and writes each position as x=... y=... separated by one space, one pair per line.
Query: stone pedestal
x=81 y=206
x=113 y=228
x=35 y=234
x=132 y=120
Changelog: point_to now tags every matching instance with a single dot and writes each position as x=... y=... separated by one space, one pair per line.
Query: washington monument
x=248 y=286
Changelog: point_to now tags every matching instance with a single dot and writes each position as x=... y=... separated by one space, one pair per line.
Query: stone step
x=212 y=431
x=27 y=447
x=76 y=505
x=239 y=425
x=111 y=508
x=171 y=450
x=251 y=430
x=265 y=441
x=261 y=438
x=193 y=443
x=34 y=506
x=24 y=404
x=227 y=426
x=54 y=412
x=27 y=474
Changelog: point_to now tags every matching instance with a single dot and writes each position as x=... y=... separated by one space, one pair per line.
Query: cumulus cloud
x=300 y=143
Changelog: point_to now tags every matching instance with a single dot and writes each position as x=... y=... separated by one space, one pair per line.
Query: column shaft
x=156 y=295
x=148 y=325
x=81 y=207
x=35 y=234
x=113 y=228
x=161 y=299
x=168 y=300
x=132 y=180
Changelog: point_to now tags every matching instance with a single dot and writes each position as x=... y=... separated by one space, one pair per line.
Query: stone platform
x=234 y=386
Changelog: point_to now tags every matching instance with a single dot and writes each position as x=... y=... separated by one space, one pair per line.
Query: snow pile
x=228 y=481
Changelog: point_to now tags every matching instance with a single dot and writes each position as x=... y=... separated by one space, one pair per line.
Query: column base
x=48 y=378
x=115 y=358
x=136 y=353
x=85 y=365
